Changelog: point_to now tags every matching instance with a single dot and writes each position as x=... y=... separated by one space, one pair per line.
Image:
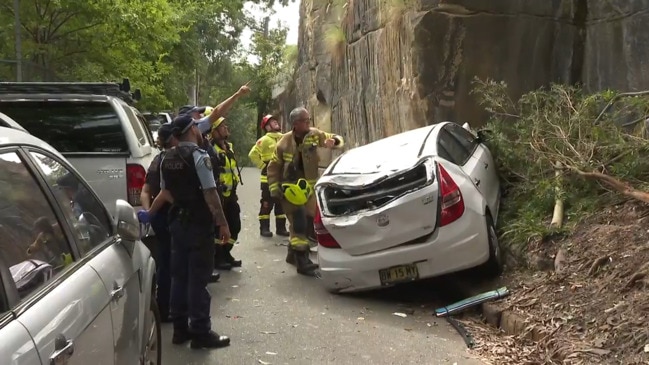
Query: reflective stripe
x=264 y=178
x=264 y=217
x=232 y=241
x=288 y=159
x=298 y=241
x=273 y=186
x=281 y=216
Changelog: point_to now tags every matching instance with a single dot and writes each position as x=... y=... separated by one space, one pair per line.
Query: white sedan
x=415 y=205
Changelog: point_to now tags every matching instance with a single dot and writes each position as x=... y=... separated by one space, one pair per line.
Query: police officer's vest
x=229 y=177
x=181 y=179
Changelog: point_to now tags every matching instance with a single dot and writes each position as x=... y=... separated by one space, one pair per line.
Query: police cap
x=166 y=131
x=188 y=109
x=182 y=124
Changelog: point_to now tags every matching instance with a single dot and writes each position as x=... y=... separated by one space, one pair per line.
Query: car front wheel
x=153 y=336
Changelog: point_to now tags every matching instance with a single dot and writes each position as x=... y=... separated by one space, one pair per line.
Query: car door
x=17 y=345
x=54 y=296
x=480 y=165
x=118 y=271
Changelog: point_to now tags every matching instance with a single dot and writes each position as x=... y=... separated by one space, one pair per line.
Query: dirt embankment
x=590 y=306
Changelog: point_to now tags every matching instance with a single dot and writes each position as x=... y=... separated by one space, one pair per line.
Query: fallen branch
x=557 y=215
x=615 y=98
x=619 y=185
x=599 y=262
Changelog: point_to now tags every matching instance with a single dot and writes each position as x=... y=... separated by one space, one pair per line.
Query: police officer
x=188 y=179
x=260 y=154
x=159 y=223
x=230 y=178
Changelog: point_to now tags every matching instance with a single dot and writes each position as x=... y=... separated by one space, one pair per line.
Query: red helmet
x=265 y=120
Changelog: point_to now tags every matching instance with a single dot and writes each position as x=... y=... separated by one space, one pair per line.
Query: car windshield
x=70 y=126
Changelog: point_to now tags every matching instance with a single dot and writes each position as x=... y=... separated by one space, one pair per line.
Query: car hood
x=374 y=161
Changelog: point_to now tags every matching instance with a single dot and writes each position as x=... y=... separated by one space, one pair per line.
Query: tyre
x=152 y=336
x=496 y=262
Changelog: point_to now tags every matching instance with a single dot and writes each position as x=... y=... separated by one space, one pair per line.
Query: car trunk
x=400 y=209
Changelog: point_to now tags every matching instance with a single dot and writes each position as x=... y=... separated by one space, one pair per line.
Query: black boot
x=280 y=227
x=228 y=256
x=264 y=228
x=211 y=340
x=216 y=275
x=220 y=262
x=290 y=257
x=304 y=264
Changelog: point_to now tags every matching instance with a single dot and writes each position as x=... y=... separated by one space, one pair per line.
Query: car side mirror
x=128 y=226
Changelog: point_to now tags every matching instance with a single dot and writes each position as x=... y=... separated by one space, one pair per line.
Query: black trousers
x=268 y=203
x=192 y=260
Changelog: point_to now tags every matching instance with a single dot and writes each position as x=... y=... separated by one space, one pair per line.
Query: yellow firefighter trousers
x=298 y=240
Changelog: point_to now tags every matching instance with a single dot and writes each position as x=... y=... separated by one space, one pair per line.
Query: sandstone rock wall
x=371 y=68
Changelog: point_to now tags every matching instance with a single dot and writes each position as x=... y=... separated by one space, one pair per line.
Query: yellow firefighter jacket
x=261 y=153
x=292 y=161
x=229 y=176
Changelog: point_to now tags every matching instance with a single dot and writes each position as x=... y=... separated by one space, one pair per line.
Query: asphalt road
x=275 y=316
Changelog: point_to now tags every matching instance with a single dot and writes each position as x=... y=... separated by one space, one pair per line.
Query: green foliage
x=557 y=124
x=335 y=41
x=162 y=46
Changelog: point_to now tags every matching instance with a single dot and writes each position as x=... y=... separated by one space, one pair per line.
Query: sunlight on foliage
x=335 y=42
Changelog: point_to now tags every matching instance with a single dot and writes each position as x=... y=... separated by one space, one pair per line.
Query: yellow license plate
x=397 y=274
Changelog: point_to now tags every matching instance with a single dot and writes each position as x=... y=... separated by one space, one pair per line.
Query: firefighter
x=292 y=173
x=230 y=178
x=260 y=154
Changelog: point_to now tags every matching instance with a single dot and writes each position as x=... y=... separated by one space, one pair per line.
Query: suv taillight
x=135 y=177
x=452 y=203
x=325 y=239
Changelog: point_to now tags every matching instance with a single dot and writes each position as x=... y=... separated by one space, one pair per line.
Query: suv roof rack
x=119 y=90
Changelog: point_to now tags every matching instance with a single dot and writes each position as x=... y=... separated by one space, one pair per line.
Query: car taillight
x=452 y=203
x=135 y=177
x=325 y=239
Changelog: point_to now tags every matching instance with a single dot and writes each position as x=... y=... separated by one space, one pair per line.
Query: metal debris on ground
x=402 y=315
x=459 y=327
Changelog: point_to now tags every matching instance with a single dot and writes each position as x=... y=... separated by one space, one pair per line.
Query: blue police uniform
x=186 y=171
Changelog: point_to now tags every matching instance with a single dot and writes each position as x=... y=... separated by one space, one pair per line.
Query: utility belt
x=185 y=215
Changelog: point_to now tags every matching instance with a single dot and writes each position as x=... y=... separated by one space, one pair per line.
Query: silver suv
x=76 y=286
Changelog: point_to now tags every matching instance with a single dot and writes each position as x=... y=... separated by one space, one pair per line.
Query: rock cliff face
x=372 y=68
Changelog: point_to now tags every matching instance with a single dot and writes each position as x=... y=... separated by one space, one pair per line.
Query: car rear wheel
x=153 y=336
x=494 y=266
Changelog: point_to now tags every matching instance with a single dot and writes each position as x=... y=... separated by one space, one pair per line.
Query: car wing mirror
x=128 y=226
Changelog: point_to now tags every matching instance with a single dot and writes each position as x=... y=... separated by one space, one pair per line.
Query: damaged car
x=415 y=205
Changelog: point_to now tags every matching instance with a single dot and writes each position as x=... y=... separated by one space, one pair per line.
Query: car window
x=145 y=126
x=454 y=150
x=70 y=126
x=85 y=214
x=464 y=137
x=32 y=242
x=139 y=133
